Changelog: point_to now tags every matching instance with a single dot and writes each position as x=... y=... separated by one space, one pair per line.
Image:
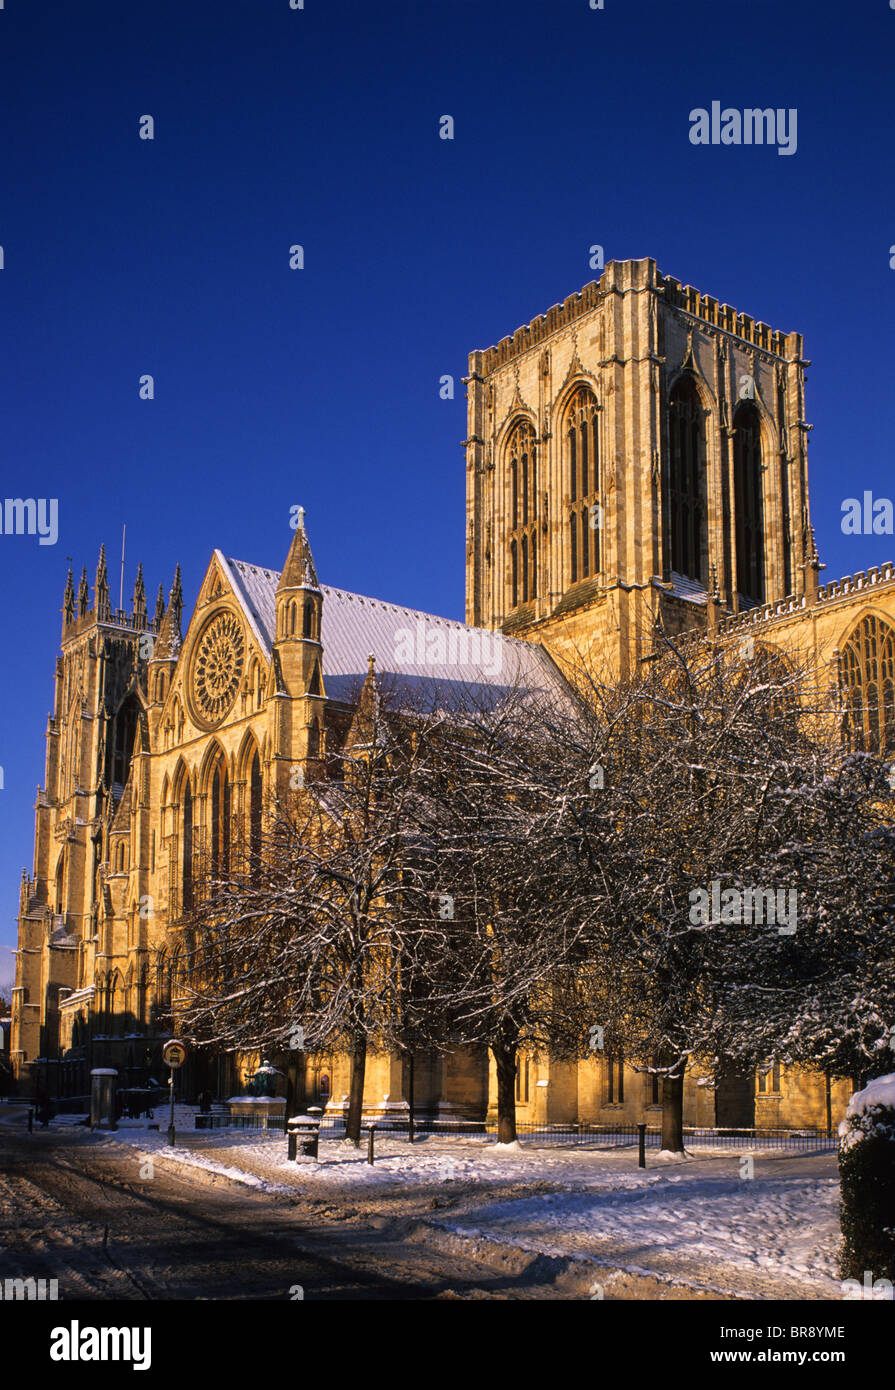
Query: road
x=73 y=1207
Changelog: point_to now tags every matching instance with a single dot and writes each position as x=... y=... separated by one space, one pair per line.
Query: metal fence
x=569 y=1135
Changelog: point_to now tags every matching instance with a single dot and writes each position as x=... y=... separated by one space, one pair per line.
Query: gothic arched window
x=582 y=443
x=186 y=846
x=120 y=744
x=686 y=482
x=522 y=464
x=867 y=667
x=255 y=810
x=219 y=837
x=747 y=502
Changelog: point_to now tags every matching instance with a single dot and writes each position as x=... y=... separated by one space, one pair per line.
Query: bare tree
x=695 y=749
x=306 y=938
x=505 y=884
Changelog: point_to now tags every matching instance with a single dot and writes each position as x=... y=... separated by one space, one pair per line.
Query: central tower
x=638 y=448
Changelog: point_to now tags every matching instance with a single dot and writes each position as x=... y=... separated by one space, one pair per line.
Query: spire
x=103 y=609
x=68 y=607
x=83 y=593
x=139 y=603
x=299 y=571
x=366 y=727
x=175 y=602
x=159 y=607
x=167 y=647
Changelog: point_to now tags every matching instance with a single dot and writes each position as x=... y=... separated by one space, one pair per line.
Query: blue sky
x=320 y=127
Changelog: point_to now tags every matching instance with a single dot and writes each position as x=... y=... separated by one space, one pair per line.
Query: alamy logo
x=873 y=1289
x=871 y=517
x=751 y=126
x=77 y=1343
x=745 y=907
x=439 y=645
x=27 y=516
x=40 y=1290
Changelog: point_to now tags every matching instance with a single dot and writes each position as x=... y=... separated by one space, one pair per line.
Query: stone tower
x=633 y=454
x=84 y=889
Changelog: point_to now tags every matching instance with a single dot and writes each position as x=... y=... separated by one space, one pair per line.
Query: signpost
x=174 y=1056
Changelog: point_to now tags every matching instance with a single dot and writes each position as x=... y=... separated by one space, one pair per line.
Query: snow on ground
x=697 y=1219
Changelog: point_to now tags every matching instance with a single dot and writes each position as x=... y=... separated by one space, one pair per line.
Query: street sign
x=174 y=1053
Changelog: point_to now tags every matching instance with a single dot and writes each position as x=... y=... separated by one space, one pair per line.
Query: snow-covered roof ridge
x=421 y=648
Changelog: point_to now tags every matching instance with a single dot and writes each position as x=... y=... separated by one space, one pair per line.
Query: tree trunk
x=505 y=1056
x=673 y=1113
x=356 y=1090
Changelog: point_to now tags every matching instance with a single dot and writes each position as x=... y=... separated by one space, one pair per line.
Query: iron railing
x=559 y=1135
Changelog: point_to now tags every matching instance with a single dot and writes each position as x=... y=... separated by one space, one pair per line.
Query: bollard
x=641 y=1145
x=30 y=1121
x=370 y=1147
x=291 y=1145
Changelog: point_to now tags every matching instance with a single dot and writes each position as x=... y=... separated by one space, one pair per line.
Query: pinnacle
x=299 y=571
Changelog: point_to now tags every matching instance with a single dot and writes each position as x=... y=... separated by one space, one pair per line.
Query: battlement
x=619 y=277
x=847 y=587
x=117 y=619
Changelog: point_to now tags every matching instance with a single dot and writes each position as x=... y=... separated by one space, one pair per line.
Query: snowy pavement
x=699 y=1222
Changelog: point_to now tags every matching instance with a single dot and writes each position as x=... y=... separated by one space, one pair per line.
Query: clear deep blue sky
x=320 y=387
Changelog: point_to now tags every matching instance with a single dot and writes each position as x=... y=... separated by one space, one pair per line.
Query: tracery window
x=748 y=505
x=867 y=667
x=582 y=445
x=219 y=823
x=186 y=846
x=522 y=470
x=120 y=743
x=255 y=811
x=686 y=481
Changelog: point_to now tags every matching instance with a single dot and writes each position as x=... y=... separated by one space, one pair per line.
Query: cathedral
x=636 y=456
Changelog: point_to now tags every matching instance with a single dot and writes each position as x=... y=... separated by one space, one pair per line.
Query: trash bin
x=303 y=1136
x=103 y=1100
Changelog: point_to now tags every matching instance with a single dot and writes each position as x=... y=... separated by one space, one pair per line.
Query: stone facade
x=637 y=455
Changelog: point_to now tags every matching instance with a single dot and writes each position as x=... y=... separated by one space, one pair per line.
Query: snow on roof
x=691 y=589
x=422 y=652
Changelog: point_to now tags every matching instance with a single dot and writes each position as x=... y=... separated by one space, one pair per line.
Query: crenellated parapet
x=619 y=277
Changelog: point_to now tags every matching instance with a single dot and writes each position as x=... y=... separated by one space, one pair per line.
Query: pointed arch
x=61 y=881
x=687 y=508
x=580 y=434
x=122 y=740
x=867 y=678
x=521 y=469
x=256 y=800
x=181 y=856
x=162 y=981
x=216 y=783
x=748 y=503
